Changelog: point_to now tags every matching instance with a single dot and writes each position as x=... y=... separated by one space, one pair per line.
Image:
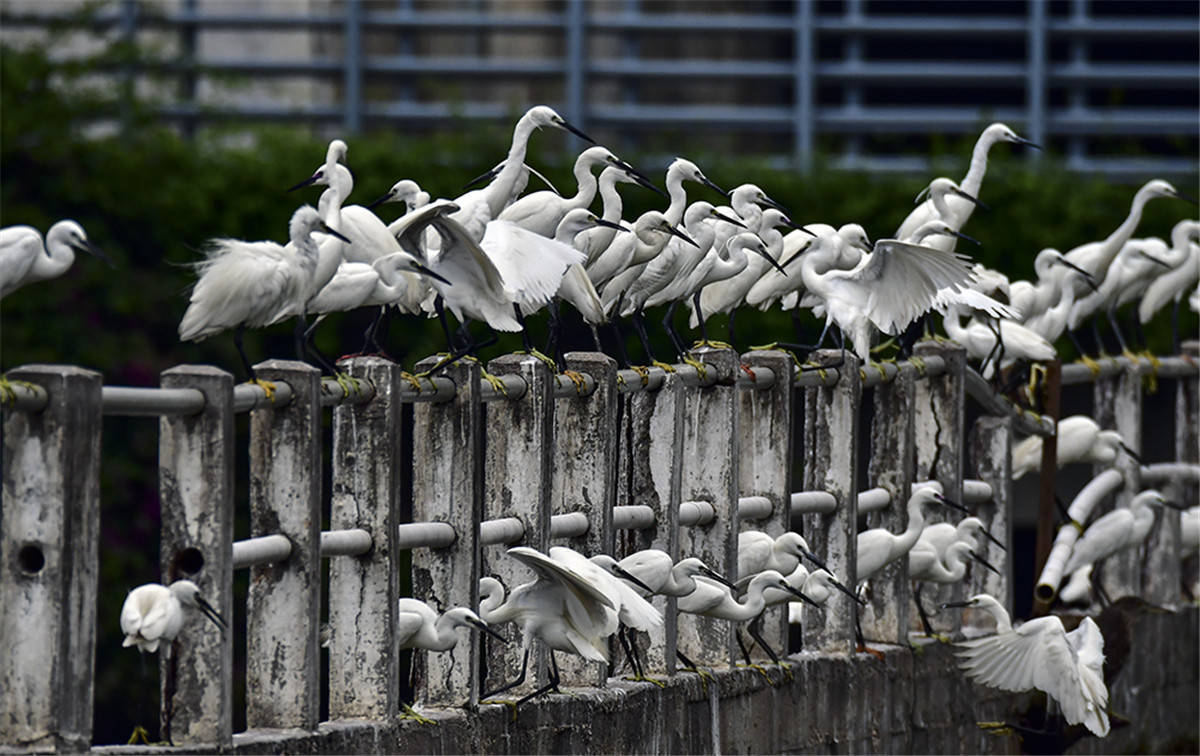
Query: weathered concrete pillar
x=650 y=474
x=941 y=448
x=991 y=452
x=49 y=542
x=516 y=483
x=764 y=451
x=447 y=487
x=364 y=664
x=893 y=454
x=283 y=605
x=195 y=474
x=831 y=464
x=1117 y=405
x=585 y=474
x=710 y=473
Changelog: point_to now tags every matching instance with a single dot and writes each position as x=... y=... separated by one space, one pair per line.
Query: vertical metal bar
x=575 y=20
x=991 y=452
x=585 y=472
x=1118 y=405
x=49 y=544
x=1163 y=571
x=406 y=48
x=130 y=10
x=893 y=452
x=1077 y=94
x=804 y=70
x=710 y=473
x=364 y=665
x=852 y=93
x=1035 y=73
x=764 y=449
x=940 y=449
x=195 y=478
x=631 y=50
x=831 y=428
x=188 y=78
x=447 y=472
x=516 y=483
x=283 y=606
x=650 y=472
x=352 y=72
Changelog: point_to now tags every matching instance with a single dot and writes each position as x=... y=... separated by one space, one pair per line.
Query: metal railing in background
x=833 y=76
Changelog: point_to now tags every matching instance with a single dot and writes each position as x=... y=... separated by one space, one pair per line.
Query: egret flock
x=497 y=256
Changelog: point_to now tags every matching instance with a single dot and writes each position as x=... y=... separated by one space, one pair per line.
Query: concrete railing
x=604 y=460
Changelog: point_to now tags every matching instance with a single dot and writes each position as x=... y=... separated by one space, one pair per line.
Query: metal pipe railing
x=1160 y=367
x=813 y=501
x=696 y=513
x=873 y=500
x=505 y=530
x=433 y=535
x=633 y=517
x=754 y=508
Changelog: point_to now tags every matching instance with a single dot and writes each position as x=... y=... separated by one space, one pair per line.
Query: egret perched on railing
x=1079 y=439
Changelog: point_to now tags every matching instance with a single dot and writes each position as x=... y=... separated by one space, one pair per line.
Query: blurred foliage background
x=150 y=198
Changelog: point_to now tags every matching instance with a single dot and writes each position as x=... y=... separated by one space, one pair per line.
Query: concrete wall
x=914 y=701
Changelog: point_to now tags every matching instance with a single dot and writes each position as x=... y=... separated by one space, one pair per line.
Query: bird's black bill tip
x=964 y=237
x=568 y=127
x=713 y=574
x=483 y=626
x=306 y=182
x=621 y=572
x=208 y=611
x=984 y=562
x=378 y=201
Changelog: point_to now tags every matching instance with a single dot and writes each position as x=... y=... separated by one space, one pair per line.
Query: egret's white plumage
x=541 y=212
x=1173 y=284
x=758 y=551
x=1119 y=529
x=1080 y=439
x=419 y=626
x=660 y=574
x=879 y=547
x=1019 y=342
x=25 y=258
x=941 y=535
x=1068 y=667
x=713 y=599
x=154 y=614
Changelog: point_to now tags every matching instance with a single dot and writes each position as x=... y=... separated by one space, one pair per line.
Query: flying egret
x=1068 y=667
x=1080 y=439
x=246 y=284
x=25 y=258
x=926 y=565
x=564 y=609
x=155 y=613
x=961 y=209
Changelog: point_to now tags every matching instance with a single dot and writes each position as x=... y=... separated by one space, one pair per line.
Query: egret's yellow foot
x=510 y=704
x=917 y=649
x=764 y=347
x=7 y=395
x=550 y=363
x=939 y=637
x=760 y=670
x=918 y=363
x=411 y=713
x=578 y=379
x=814 y=366
x=413 y=380
x=1091 y=364
x=1152 y=359
x=666 y=366
x=496 y=382
x=701 y=368
x=642 y=371
x=350 y=384
x=267 y=387
x=706 y=344
x=704 y=675
x=1135 y=359
x=139 y=733
x=996 y=728
x=878 y=368
x=643 y=678
x=786 y=669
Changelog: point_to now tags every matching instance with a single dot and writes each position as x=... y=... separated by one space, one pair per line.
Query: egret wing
x=1088 y=644
x=1102 y=538
x=531 y=265
x=19 y=247
x=559 y=572
x=408 y=624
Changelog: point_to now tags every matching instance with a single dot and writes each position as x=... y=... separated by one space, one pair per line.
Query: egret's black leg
x=1175 y=325
x=756 y=634
x=237 y=341
x=729 y=326
x=1139 y=335
x=921 y=611
x=798 y=324
x=1096 y=334
x=737 y=633
x=298 y=337
x=669 y=326
x=1077 y=343
x=619 y=340
x=1112 y=321
x=371 y=337
x=551 y=686
x=596 y=337
x=509 y=686
x=440 y=309
x=699 y=317
x=640 y=326
x=525 y=337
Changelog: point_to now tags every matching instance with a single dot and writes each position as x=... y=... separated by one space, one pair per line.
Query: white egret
x=879 y=547
x=927 y=565
x=1016 y=341
x=595 y=240
x=655 y=569
x=758 y=551
x=1080 y=439
x=246 y=284
x=407 y=191
x=567 y=611
x=25 y=258
x=960 y=208
x=818 y=586
x=1173 y=284
x=155 y=613
x=1068 y=667
x=419 y=626
x=747 y=203
x=1044 y=306
x=941 y=535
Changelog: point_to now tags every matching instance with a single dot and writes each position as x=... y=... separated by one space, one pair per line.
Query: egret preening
x=25 y=258
x=1080 y=439
x=154 y=614
x=246 y=284
x=1041 y=654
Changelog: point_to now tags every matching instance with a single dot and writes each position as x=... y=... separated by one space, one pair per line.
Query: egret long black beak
x=956 y=604
x=562 y=124
x=974 y=200
x=377 y=202
x=767 y=256
x=772 y=203
x=307 y=182
x=711 y=573
x=487 y=175
x=1175 y=505
x=795 y=255
x=815 y=560
x=994 y=540
x=800 y=594
x=845 y=590
x=641 y=181
x=92 y=249
x=964 y=237
x=984 y=562
x=1137 y=457
x=951 y=503
x=483 y=626
x=416 y=266
x=705 y=180
x=1087 y=277
x=633 y=172
x=1027 y=143
x=609 y=224
x=1155 y=260
x=625 y=574
x=326 y=229
x=681 y=235
x=208 y=611
x=722 y=216
x=1186 y=196
x=808 y=231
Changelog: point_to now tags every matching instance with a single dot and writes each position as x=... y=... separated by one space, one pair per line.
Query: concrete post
x=650 y=473
x=364 y=671
x=940 y=437
x=516 y=483
x=831 y=464
x=764 y=451
x=991 y=452
x=1117 y=405
x=1161 y=572
x=283 y=605
x=585 y=474
x=447 y=475
x=195 y=474
x=893 y=453
x=49 y=541
x=710 y=473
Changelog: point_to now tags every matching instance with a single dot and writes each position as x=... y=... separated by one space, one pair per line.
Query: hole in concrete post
x=31 y=559
x=189 y=561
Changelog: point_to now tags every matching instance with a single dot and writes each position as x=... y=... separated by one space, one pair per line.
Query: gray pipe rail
x=275 y=548
x=499 y=532
x=873 y=500
x=352 y=542
x=633 y=517
x=1166 y=367
x=432 y=535
x=696 y=513
x=1164 y=472
x=754 y=508
x=813 y=501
